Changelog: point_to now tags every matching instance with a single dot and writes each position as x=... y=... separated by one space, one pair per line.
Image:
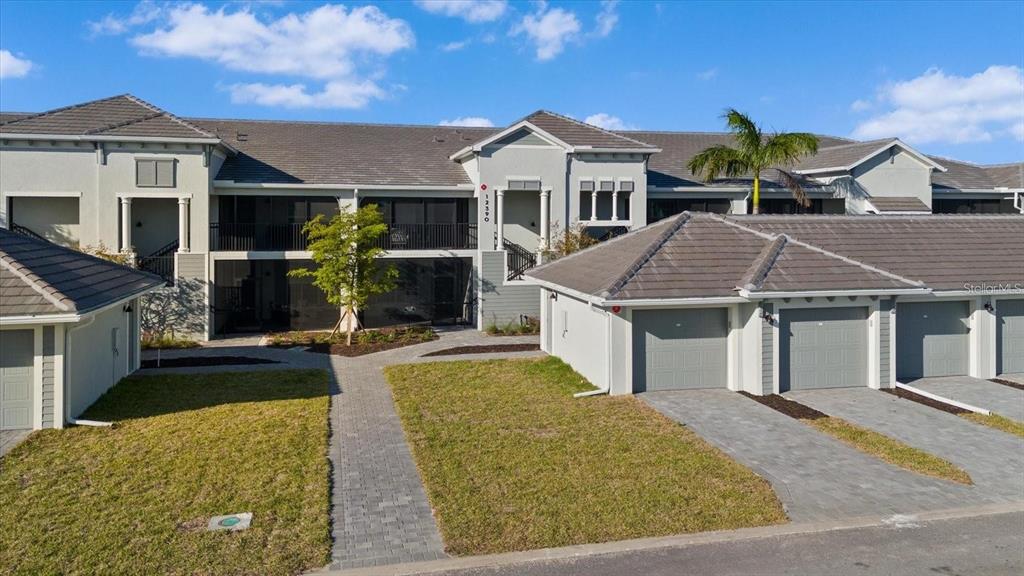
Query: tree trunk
x=348 y=338
x=757 y=195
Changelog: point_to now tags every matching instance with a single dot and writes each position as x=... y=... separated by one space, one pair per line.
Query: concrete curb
x=568 y=552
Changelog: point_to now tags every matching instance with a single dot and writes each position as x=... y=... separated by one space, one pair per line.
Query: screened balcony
x=266 y=223
x=425 y=223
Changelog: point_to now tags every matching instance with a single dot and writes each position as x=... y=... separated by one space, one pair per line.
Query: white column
x=545 y=218
x=593 y=204
x=499 y=221
x=615 y=205
x=126 y=224
x=184 y=242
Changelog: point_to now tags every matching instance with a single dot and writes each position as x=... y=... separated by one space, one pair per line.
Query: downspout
x=608 y=353
x=64 y=378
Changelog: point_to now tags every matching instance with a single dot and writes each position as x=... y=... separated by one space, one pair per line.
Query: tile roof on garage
x=41 y=278
x=698 y=255
x=944 y=252
x=123 y=115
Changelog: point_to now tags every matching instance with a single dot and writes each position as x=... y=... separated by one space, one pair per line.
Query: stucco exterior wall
x=97 y=357
x=55 y=218
x=615 y=167
x=898 y=174
x=579 y=336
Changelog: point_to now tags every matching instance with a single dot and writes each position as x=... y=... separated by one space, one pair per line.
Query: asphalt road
x=976 y=546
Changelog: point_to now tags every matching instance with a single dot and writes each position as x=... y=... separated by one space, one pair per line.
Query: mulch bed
x=908 y=395
x=360 y=349
x=787 y=406
x=485 y=349
x=1008 y=383
x=205 y=361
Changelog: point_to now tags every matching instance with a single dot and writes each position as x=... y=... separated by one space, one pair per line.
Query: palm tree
x=755 y=152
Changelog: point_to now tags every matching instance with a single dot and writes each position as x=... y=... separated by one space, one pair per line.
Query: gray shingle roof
x=580 y=134
x=337 y=153
x=703 y=255
x=1006 y=175
x=41 y=278
x=123 y=115
x=842 y=155
x=667 y=169
x=898 y=204
x=943 y=252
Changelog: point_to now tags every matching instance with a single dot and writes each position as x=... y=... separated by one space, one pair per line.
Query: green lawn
x=998 y=422
x=135 y=498
x=511 y=461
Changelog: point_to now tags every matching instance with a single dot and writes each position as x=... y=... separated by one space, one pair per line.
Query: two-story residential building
x=217 y=206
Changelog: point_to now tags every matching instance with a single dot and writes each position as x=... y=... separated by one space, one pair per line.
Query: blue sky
x=945 y=76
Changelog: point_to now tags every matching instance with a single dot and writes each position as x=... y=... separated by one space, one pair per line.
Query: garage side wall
x=749 y=357
x=767 y=352
x=93 y=367
x=579 y=337
x=884 y=344
x=49 y=378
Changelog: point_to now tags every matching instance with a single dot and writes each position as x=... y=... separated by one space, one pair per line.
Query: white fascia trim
x=589 y=298
x=700 y=189
x=825 y=293
x=41 y=194
x=41 y=319
x=995 y=291
x=478 y=146
x=99 y=138
x=894 y=142
x=233 y=184
x=597 y=150
x=663 y=302
x=155 y=194
x=996 y=190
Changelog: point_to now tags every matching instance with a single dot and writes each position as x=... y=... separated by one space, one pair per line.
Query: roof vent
x=438 y=139
x=241 y=137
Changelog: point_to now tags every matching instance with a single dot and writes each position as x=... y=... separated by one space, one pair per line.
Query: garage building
x=69 y=330
x=768 y=304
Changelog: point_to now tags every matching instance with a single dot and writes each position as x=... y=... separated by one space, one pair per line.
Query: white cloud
x=111 y=25
x=860 y=105
x=608 y=122
x=335 y=94
x=455 y=46
x=937 y=107
x=469 y=121
x=1017 y=131
x=343 y=48
x=469 y=10
x=709 y=74
x=13 y=67
x=607 y=18
x=549 y=30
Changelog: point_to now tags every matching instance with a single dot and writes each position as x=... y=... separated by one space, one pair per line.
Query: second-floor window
x=152 y=173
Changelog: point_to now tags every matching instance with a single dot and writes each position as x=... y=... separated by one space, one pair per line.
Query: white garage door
x=823 y=348
x=680 y=349
x=16 y=379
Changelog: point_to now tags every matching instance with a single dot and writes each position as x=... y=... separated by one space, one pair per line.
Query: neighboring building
x=69 y=330
x=217 y=206
x=767 y=304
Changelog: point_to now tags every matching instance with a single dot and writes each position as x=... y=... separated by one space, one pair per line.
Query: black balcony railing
x=161 y=262
x=519 y=260
x=429 y=237
x=246 y=237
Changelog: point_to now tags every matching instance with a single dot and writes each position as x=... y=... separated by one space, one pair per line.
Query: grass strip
x=511 y=461
x=868 y=441
x=1001 y=423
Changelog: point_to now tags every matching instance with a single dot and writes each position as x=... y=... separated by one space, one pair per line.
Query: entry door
x=932 y=339
x=681 y=349
x=16 y=379
x=823 y=348
x=1011 y=336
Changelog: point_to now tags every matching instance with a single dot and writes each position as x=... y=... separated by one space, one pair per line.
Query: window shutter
x=165 y=173
x=145 y=173
x=586 y=185
x=626 y=186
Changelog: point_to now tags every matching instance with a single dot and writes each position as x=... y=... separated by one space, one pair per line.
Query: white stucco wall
x=579 y=336
x=897 y=175
x=92 y=365
x=55 y=218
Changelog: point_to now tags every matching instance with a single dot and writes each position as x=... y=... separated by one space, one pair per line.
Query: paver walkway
x=994 y=459
x=11 y=438
x=815 y=476
x=381 y=512
x=1002 y=400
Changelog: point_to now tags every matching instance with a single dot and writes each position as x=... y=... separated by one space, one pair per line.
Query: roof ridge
x=97 y=131
x=44 y=288
x=494 y=129
x=721 y=133
x=765 y=261
x=862 y=142
x=591 y=126
x=169 y=115
x=647 y=254
x=798 y=242
x=63 y=109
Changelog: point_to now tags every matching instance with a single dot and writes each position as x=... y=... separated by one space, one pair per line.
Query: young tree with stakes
x=349 y=270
